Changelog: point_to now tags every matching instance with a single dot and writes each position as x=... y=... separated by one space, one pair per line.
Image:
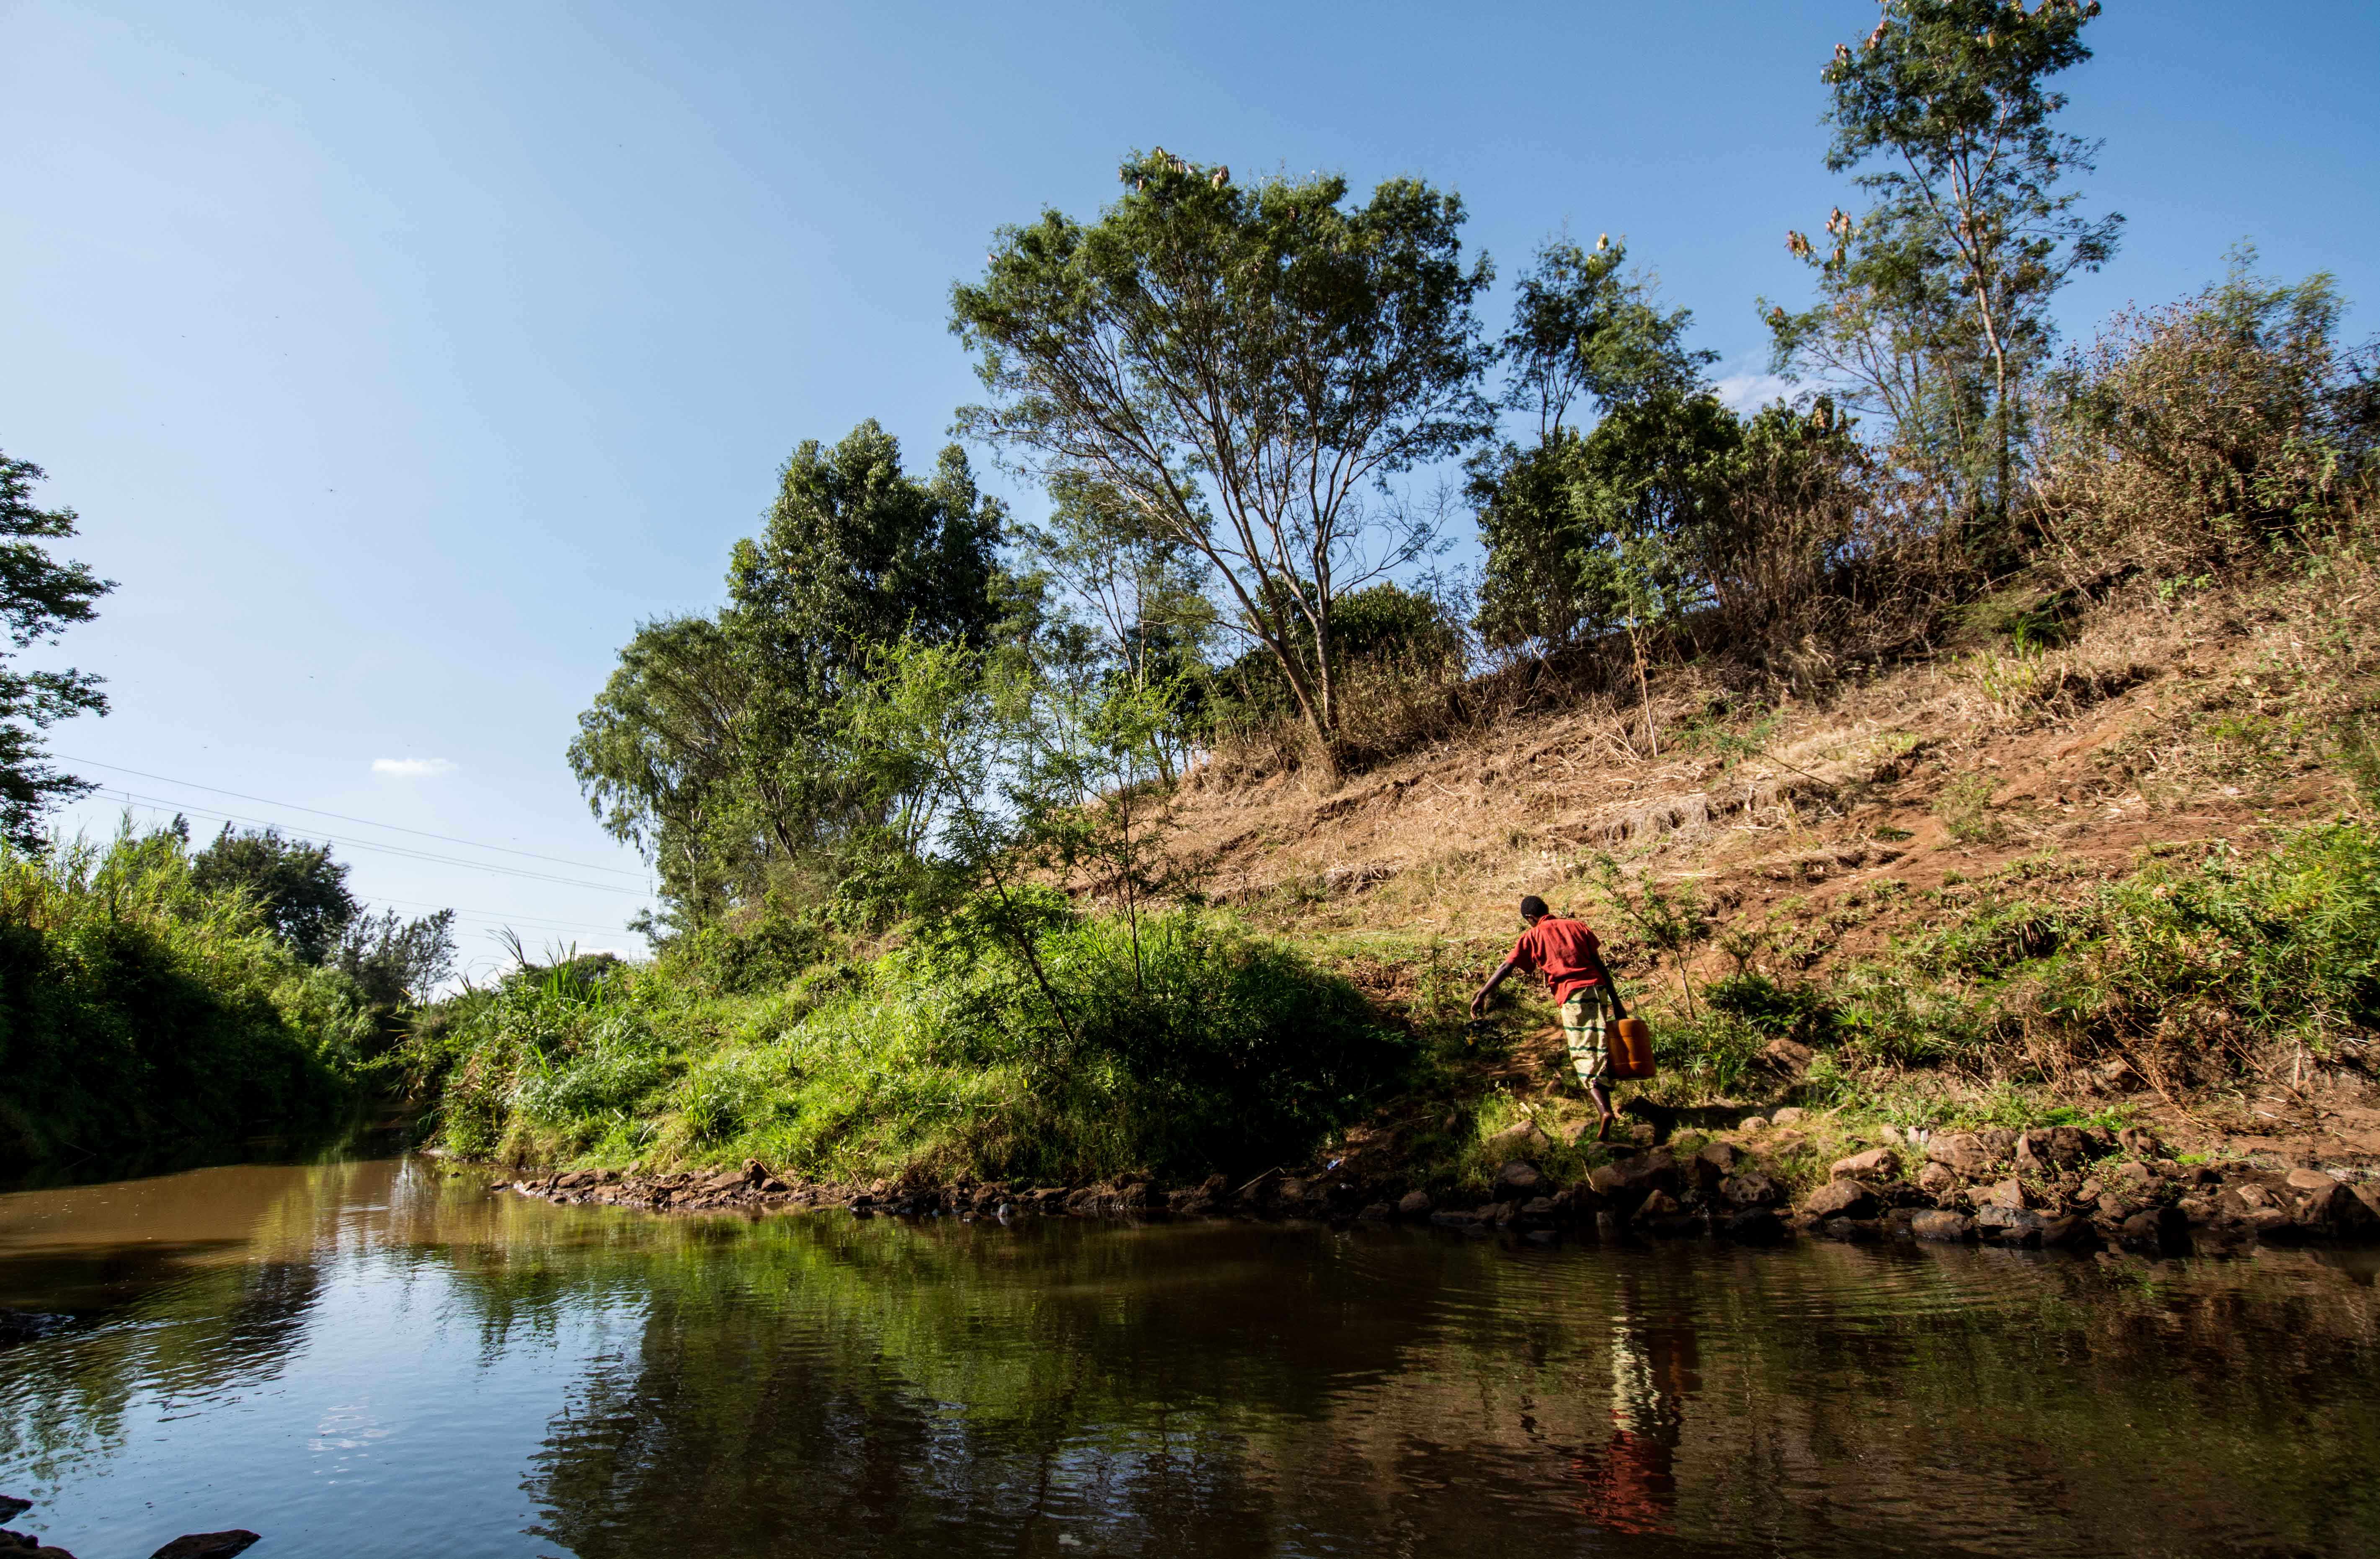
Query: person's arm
x=1479 y=1001
x=1603 y=972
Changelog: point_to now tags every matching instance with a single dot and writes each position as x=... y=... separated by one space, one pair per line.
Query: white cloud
x=412 y=768
x=1751 y=390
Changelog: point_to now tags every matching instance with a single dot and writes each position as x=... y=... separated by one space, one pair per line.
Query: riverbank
x=2065 y=1188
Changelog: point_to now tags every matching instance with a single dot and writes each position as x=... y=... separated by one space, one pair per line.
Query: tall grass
x=138 y=1014
x=1207 y=1049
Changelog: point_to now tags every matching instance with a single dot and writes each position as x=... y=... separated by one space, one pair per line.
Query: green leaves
x=1235 y=366
x=40 y=598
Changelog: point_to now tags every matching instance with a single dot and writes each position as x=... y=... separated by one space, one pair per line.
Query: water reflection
x=328 y=1353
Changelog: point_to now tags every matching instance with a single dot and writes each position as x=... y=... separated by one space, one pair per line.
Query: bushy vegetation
x=142 y=1013
x=2198 y=967
x=1184 y=1045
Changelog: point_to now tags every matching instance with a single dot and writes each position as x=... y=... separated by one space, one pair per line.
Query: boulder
x=12 y=1507
x=2010 y=1193
x=1855 y=1230
x=1521 y=1177
x=1876 y=1163
x=1453 y=1218
x=207 y=1545
x=1376 y=1213
x=24 y=1545
x=1751 y=1188
x=2309 y=1180
x=1843 y=1199
x=1648 y=1172
x=1934 y=1179
x=1725 y=1157
x=1786 y=1059
x=1756 y=1225
x=1786 y=1116
x=2012 y=1226
x=733 y=1180
x=1753 y=1123
x=1413 y=1204
x=2132 y=1175
x=1658 y=1204
x=1536 y=1210
x=2157 y=1231
x=1965 y=1154
x=1948 y=1227
x=2068 y=1233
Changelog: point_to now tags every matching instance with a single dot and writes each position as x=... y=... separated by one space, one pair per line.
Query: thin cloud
x=412 y=768
x=1750 y=391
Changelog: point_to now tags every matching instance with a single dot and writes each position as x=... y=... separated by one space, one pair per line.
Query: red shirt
x=1562 y=949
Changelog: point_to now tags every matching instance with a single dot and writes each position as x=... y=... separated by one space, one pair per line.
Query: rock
x=207 y=1545
x=1376 y=1213
x=2070 y=1234
x=2310 y=1180
x=1724 y=1157
x=732 y=1181
x=1948 y=1227
x=1453 y=1219
x=2139 y=1140
x=1753 y=1123
x=1536 y=1210
x=1260 y=1190
x=2133 y=1176
x=1843 y=1199
x=1756 y=1225
x=11 y=1508
x=1875 y=1163
x=2012 y=1226
x=24 y=1545
x=1525 y=1138
x=1934 y=1179
x=1786 y=1059
x=2368 y=1194
x=1857 y=1230
x=1658 y=1205
x=2010 y=1194
x=1413 y=1204
x=1653 y=1171
x=1964 y=1153
x=1521 y=1177
x=2158 y=1231
x=1786 y=1116
x=1751 y=1188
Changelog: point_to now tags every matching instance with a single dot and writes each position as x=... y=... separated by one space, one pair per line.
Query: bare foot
x=1603 y=1128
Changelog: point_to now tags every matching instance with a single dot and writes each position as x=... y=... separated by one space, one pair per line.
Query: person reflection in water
x=1632 y=1485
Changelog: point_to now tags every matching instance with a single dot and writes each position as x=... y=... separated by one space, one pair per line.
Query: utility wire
x=367 y=823
x=160 y=804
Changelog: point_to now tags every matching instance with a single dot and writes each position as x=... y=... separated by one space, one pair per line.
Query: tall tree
x=1249 y=368
x=301 y=890
x=1974 y=227
x=1584 y=330
x=40 y=598
x=712 y=747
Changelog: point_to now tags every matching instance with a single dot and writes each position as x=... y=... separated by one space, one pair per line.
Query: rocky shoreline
x=2064 y=1188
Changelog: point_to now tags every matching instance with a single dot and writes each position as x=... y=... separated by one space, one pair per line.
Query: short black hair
x=1534 y=908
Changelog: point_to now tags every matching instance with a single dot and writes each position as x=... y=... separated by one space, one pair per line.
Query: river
x=372 y=1357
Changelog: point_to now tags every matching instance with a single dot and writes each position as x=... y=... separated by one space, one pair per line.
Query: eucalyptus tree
x=1937 y=301
x=40 y=598
x=1248 y=368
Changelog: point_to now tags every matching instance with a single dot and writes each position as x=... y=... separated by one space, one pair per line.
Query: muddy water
x=369 y=1359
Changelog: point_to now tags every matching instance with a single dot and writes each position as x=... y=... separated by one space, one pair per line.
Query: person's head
x=1533 y=909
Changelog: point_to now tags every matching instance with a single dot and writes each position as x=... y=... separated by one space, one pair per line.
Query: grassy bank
x=1185 y=1046
x=141 y=1015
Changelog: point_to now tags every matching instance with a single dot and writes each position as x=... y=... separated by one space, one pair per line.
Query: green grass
x=142 y=1017
x=1213 y=1048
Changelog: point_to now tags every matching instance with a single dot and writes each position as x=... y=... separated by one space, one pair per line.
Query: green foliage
x=40 y=598
x=1187 y=1045
x=1936 y=303
x=1236 y=364
x=715 y=745
x=141 y=1014
x=1674 y=920
x=299 y=889
x=1966 y=811
x=2212 y=435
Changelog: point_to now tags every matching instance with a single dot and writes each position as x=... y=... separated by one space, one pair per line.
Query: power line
x=342 y=817
x=161 y=803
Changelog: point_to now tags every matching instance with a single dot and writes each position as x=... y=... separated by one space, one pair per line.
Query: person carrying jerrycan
x=1568 y=955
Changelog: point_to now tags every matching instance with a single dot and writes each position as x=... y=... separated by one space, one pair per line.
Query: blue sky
x=400 y=358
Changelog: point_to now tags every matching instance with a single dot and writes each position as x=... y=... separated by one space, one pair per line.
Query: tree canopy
x=40 y=598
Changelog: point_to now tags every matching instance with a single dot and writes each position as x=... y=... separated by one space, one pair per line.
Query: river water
x=372 y=1359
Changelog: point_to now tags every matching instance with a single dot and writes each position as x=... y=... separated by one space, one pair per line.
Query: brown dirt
x=2098 y=752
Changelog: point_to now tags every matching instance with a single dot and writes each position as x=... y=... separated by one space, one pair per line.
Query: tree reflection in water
x=538 y=1379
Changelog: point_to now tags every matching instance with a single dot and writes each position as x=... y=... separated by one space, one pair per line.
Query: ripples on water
x=367 y=1359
